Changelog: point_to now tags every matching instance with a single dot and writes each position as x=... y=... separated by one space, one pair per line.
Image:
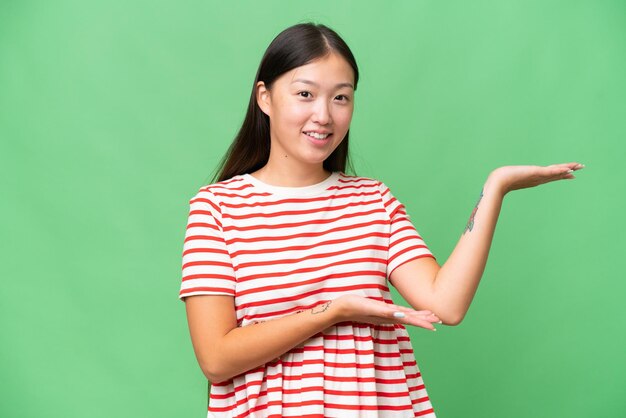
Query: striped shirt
x=279 y=250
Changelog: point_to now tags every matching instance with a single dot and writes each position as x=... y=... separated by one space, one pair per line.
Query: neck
x=291 y=175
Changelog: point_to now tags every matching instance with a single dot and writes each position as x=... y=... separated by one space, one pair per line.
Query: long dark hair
x=293 y=47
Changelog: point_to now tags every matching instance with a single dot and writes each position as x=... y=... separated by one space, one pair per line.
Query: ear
x=263 y=97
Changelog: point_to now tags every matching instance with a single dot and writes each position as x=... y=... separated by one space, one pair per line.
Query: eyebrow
x=317 y=85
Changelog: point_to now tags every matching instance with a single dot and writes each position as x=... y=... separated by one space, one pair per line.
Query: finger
x=402 y=308
x=430 y=317
x=420 y=315
x=407 y=309
x=422 y=323
x=568 y=166
x=575 y=165
x=560 y=171
x=409 y=313
x=425 y=315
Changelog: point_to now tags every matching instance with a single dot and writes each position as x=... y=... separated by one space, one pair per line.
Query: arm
x=225 y=350
x=448 y=290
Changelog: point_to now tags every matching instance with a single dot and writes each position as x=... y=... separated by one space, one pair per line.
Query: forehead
x=331 y=71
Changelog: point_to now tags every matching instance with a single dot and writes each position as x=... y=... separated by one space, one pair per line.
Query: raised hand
x=361 y=309
x=514 y=177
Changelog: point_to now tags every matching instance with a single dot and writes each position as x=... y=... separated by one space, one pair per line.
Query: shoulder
x=232 y=184
x=367 y=183
x=358 y=181
x=211 y=197
x=233 y=187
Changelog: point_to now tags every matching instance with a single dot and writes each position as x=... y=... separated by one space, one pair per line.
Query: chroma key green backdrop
x=113 y=113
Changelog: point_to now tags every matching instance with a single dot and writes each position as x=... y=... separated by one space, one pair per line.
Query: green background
x=113 y=114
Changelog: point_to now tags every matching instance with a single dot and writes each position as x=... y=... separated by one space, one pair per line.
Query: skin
x=437 y=294
x=295 y=107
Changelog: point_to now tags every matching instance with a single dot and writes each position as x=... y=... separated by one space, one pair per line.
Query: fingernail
x=570 y=171
x=440 y=322
x=398 y=314
x=434 y=329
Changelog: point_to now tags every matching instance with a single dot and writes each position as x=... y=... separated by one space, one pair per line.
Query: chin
x=315 y=159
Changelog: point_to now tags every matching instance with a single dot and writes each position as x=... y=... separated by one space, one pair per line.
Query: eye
x=345 y=98
x=305 y=92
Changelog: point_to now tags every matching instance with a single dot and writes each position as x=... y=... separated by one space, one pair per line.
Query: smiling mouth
x=319 y=137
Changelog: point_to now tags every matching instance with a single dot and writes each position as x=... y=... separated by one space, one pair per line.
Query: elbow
x=452 y=322
x=213 y=379
x=213 y=372
x=211 y=376
x=214 y=376
x=452 y=318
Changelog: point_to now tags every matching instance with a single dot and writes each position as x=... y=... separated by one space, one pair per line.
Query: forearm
x=456 y=282
x=244 y=348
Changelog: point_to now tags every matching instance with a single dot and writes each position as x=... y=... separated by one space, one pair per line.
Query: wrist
x=337 y=311
x=495 y=185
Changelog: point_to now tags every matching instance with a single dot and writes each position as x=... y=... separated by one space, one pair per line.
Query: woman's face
x=316 y=99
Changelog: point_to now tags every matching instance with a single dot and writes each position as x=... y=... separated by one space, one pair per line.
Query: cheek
x=343 y=117
x=293 y=115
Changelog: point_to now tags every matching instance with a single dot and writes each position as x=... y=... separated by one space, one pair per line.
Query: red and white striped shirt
x=279 y=250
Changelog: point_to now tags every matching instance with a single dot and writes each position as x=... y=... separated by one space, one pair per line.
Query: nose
x=322 y=113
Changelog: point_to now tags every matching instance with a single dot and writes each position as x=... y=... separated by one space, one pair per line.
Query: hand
x=514 y=177
x=361 y=309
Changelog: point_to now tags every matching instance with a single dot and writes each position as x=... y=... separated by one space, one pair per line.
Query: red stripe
x=308 y=247
x=309 y=257
x=399 y=209
x=203 y=238
x=416 y=388
x=346 y=179
x=410 y=259
x=202 y=225
x=299 y=212
x=308 y=282
x=349 y=186
x=301 y=350
x=205 y=250
x=243 y=196
x=377 y=380
x=311 y=293
x=215 y=207
x=341 y=365
x=222 y=183
x=208 y=276
x=296 y=416
x=240 y=185
x=279 y=376
x=345 y=351
x=286 y=225
x=411 y=238
x=285 y=405
x=206 y=289
x=410 y=227
x=300 y=308
x=274 y=275
x=368 y=407
x=296 y=200
x=371 y=393
x=406 y=250
x=207 y=263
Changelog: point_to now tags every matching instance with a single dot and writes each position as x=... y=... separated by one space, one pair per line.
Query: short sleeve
x=206 y=266
x=405 y=243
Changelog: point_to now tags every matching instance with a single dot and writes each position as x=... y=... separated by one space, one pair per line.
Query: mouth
x=318 y=138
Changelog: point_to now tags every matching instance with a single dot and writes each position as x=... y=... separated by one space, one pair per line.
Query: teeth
x=316 y=135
